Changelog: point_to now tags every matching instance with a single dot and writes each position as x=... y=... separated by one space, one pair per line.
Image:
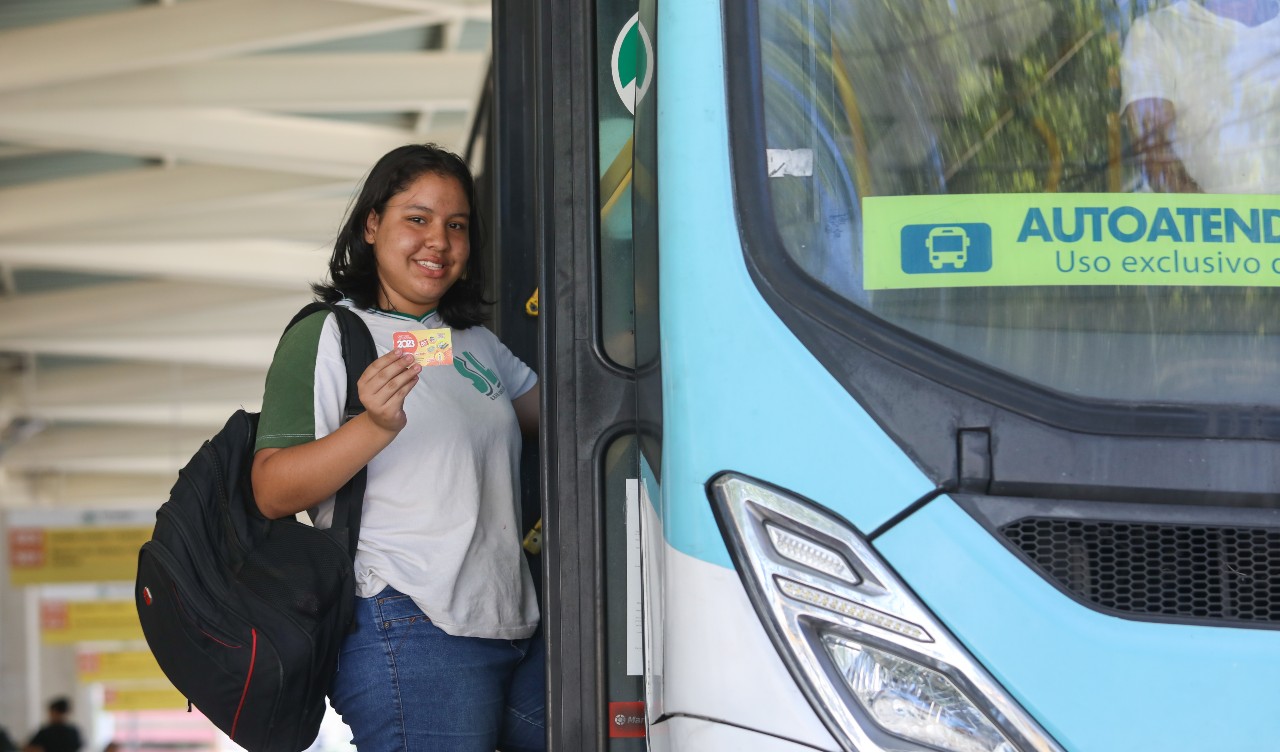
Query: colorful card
x=430 y=347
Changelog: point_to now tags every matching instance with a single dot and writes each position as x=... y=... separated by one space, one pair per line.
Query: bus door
x=565 y=78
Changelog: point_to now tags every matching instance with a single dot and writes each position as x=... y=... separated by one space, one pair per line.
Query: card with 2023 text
x=430 y=347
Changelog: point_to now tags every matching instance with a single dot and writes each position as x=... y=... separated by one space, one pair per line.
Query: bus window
x=624 y=74
x=623 y=635
x=1122 y=157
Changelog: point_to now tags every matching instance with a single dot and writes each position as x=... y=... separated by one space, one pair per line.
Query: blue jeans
x=404 y=685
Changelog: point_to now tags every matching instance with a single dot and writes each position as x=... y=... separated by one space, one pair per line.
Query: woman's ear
x=371 y=226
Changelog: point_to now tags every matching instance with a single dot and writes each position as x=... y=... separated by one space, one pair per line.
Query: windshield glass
x=1079 y=193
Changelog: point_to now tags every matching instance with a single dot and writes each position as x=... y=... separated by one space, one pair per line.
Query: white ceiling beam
x=453 y=35
x=134 y=382
x=139 y=194
x=195 y=323
x=247 y=349
x=139 y=393
x=103 y=44
x=314 y=221
x=141 y=306
x=480 y=9
x=308 y=146
x=426 y=120
x=354 y=82
x=21 y=150
x=105 y=449
x=118 y=489
x=276 y=264
x=208 y=415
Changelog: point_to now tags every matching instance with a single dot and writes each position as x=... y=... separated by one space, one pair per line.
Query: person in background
x=443 y=653
x=1200 y=90
x=58 y=735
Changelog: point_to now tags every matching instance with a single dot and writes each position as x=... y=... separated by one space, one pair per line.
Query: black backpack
x=246 y=615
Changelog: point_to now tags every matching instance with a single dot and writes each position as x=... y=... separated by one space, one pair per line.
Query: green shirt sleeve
x=288 y=403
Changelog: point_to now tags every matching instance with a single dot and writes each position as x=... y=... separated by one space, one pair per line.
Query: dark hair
x=60 y=705
x=353 y=269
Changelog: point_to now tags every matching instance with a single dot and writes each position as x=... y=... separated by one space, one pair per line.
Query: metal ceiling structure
x=171 y=177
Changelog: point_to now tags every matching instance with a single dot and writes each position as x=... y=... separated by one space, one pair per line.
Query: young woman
x=443 y=653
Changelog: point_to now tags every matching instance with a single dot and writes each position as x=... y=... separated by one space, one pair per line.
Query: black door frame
x=546 y=197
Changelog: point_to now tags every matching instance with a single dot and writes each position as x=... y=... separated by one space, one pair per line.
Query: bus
x=803 y=488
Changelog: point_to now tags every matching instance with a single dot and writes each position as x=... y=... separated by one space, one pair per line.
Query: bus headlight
x=913 y=701
x=880 y=670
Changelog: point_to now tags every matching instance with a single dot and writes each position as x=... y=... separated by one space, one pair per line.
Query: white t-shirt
x=1223 y=78
x=441 y=516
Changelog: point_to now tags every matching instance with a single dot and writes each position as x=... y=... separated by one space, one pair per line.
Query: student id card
x=430 y=347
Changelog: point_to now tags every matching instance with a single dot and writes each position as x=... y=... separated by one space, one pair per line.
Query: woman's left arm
x=528 y=407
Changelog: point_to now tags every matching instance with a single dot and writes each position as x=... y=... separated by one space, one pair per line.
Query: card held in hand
x=430 y=347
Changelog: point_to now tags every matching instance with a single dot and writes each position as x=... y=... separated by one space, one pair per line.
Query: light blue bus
x=801 y=492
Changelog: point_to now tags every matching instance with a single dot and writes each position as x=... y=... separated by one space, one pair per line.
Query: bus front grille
x=1158 y=571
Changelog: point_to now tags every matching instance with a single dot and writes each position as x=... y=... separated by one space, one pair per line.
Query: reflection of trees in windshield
x=981 y=96
x=935 y=96
x=997 y=96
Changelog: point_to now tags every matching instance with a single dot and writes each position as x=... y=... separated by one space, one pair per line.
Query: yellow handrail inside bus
x=1115 y=144
x=1008 y=114
x=615 y=180
x=861 y=155
x=1054 y=176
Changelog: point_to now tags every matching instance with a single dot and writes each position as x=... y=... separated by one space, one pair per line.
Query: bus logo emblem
x=632 y=63
x=946 y=248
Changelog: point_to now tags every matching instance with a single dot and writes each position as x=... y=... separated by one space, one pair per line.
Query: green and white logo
x=632 y=63
x=481 y=376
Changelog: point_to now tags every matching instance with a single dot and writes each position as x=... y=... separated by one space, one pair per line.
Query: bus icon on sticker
x=946 y=248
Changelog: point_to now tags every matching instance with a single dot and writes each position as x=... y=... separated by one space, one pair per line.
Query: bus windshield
x=1081 y=194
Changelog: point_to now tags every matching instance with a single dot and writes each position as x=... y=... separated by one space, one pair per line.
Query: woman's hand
x=289 y=480
x=384 y=385
x=1153 y=122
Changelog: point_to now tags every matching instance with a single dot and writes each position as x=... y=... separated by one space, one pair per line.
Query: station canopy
x=172 y=175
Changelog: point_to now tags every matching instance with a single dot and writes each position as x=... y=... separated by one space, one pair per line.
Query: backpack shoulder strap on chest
x=358 y=352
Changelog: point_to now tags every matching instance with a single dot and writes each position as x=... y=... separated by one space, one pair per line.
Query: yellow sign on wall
x=45 y=555
x=128 y=665
x=143 y=697
x=66 y=622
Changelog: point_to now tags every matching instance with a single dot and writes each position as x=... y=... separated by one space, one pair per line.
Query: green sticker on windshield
x=1009 y=240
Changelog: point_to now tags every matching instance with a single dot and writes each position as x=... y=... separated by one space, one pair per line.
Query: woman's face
x=421 y=243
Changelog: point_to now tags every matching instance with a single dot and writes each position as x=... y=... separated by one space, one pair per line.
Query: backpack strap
x=358 y=352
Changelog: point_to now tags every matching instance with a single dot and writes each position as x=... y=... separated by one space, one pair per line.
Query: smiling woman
x=421 y=243
x=417 y=209
x=446 y=615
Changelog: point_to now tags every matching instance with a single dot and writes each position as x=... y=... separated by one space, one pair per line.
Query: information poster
x=68 y=622
x=49 y=547
x=120 y=698
x=128 y=665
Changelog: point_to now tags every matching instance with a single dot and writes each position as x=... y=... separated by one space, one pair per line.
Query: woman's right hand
x=290 y=479
x=383 y=386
